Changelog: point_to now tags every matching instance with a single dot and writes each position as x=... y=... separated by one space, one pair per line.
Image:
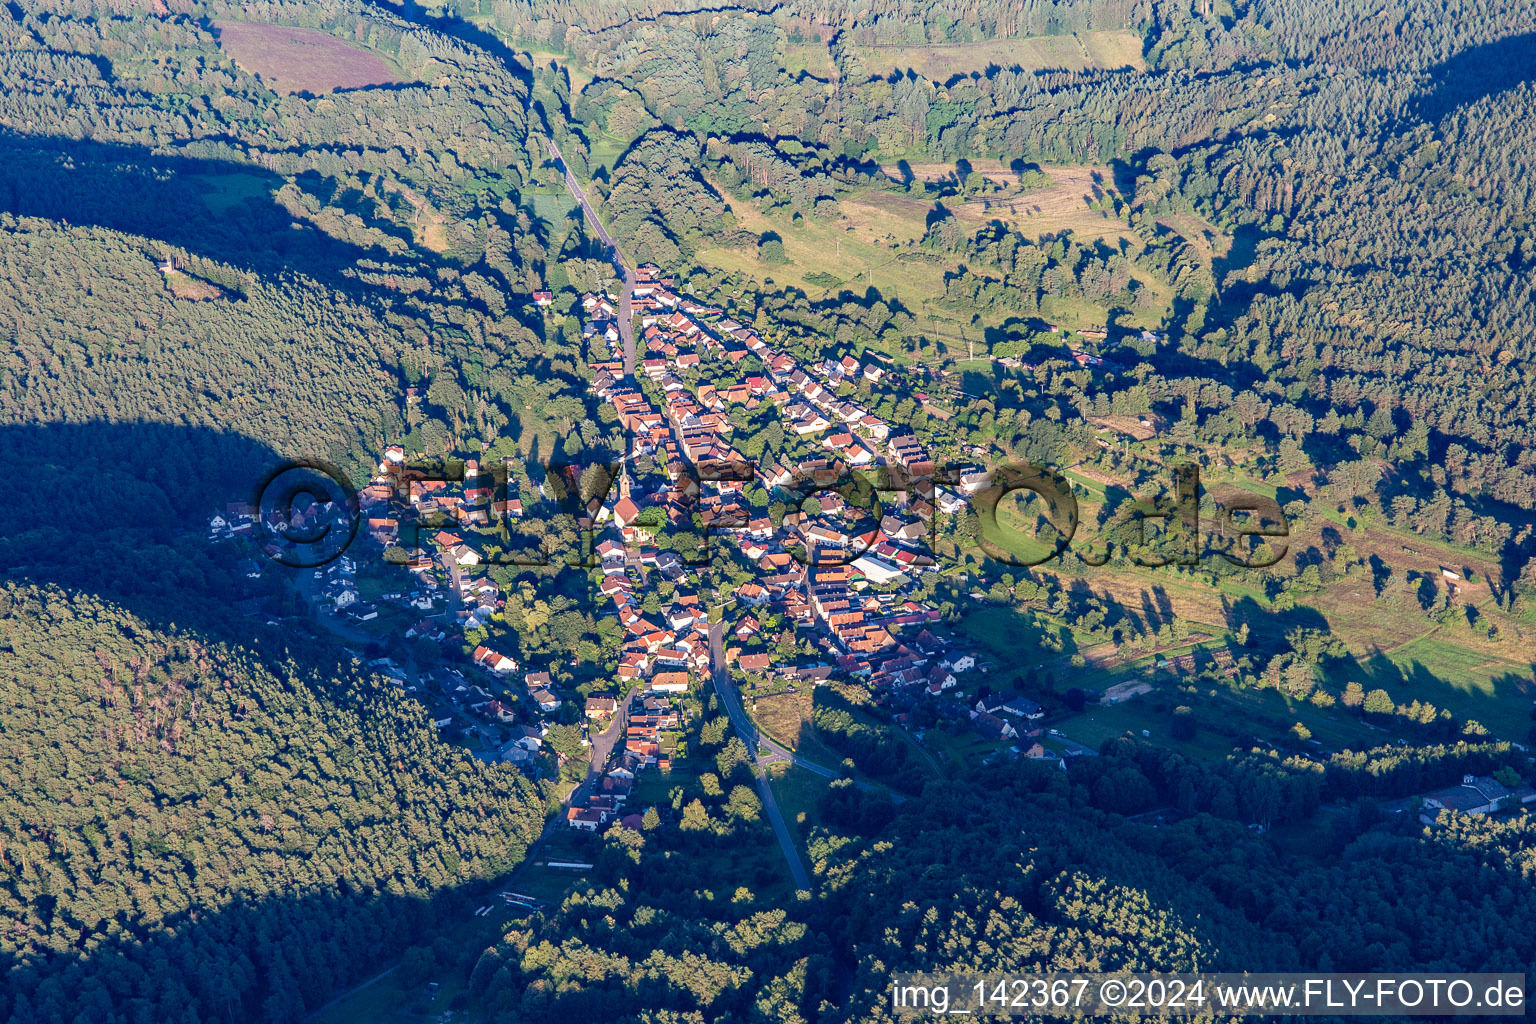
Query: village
x=827 y=593
x=705 y=582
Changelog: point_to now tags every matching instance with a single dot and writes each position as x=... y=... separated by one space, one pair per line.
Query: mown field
x=303 y=60
x=1109 y=50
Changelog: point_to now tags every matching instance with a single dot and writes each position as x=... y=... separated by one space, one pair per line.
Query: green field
x=811 y=58
x=1495 y=691
x=1264 y=714
x=605 y=151
x=798 y=793
x=579 y=75
x=1023 y=528
x=862 y=248
x=875 y=243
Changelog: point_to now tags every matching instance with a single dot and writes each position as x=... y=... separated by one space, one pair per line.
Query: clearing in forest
x=302 y=60
x=185 y=286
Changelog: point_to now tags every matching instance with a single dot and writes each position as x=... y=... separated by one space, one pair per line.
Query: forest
x=1013 y=871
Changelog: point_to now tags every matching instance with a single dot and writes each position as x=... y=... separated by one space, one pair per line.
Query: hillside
x=171 y=798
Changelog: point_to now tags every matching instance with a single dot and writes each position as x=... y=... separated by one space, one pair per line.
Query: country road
x=749 y=735
x=781 y=831
x=627 y=295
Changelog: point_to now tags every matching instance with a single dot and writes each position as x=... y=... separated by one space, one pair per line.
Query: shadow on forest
x=224 y=211
x=220 y=210
x=120 y=511
x=270 y=958
x=1478 y=72
x=447 y=22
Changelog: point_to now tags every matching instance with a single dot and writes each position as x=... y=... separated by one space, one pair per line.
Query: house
x=601 y=707
x=993 y=728
x=974 y=483
x=877 y=570
x=1477 y=794
x=542 y=299
x=494 y=662
x=545 y=700
x=517 y=755
x=625 y=512
x=962 y=662
x=1023 y=707
x=674 y=657
x=950 y=503
x=670 y=682
x=584 y=818
x=529 y=737
x=613 y=556
x=941 y=679
x=500 y=712
x=1012 y=703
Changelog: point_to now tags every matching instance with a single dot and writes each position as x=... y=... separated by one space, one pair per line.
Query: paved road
x=626 y=296
x=603 y=743
x=768 y=750
x=781 y=830
x=627 y=319
x=749 y=735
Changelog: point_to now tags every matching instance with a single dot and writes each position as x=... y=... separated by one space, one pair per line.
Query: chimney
x=1468 y=779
